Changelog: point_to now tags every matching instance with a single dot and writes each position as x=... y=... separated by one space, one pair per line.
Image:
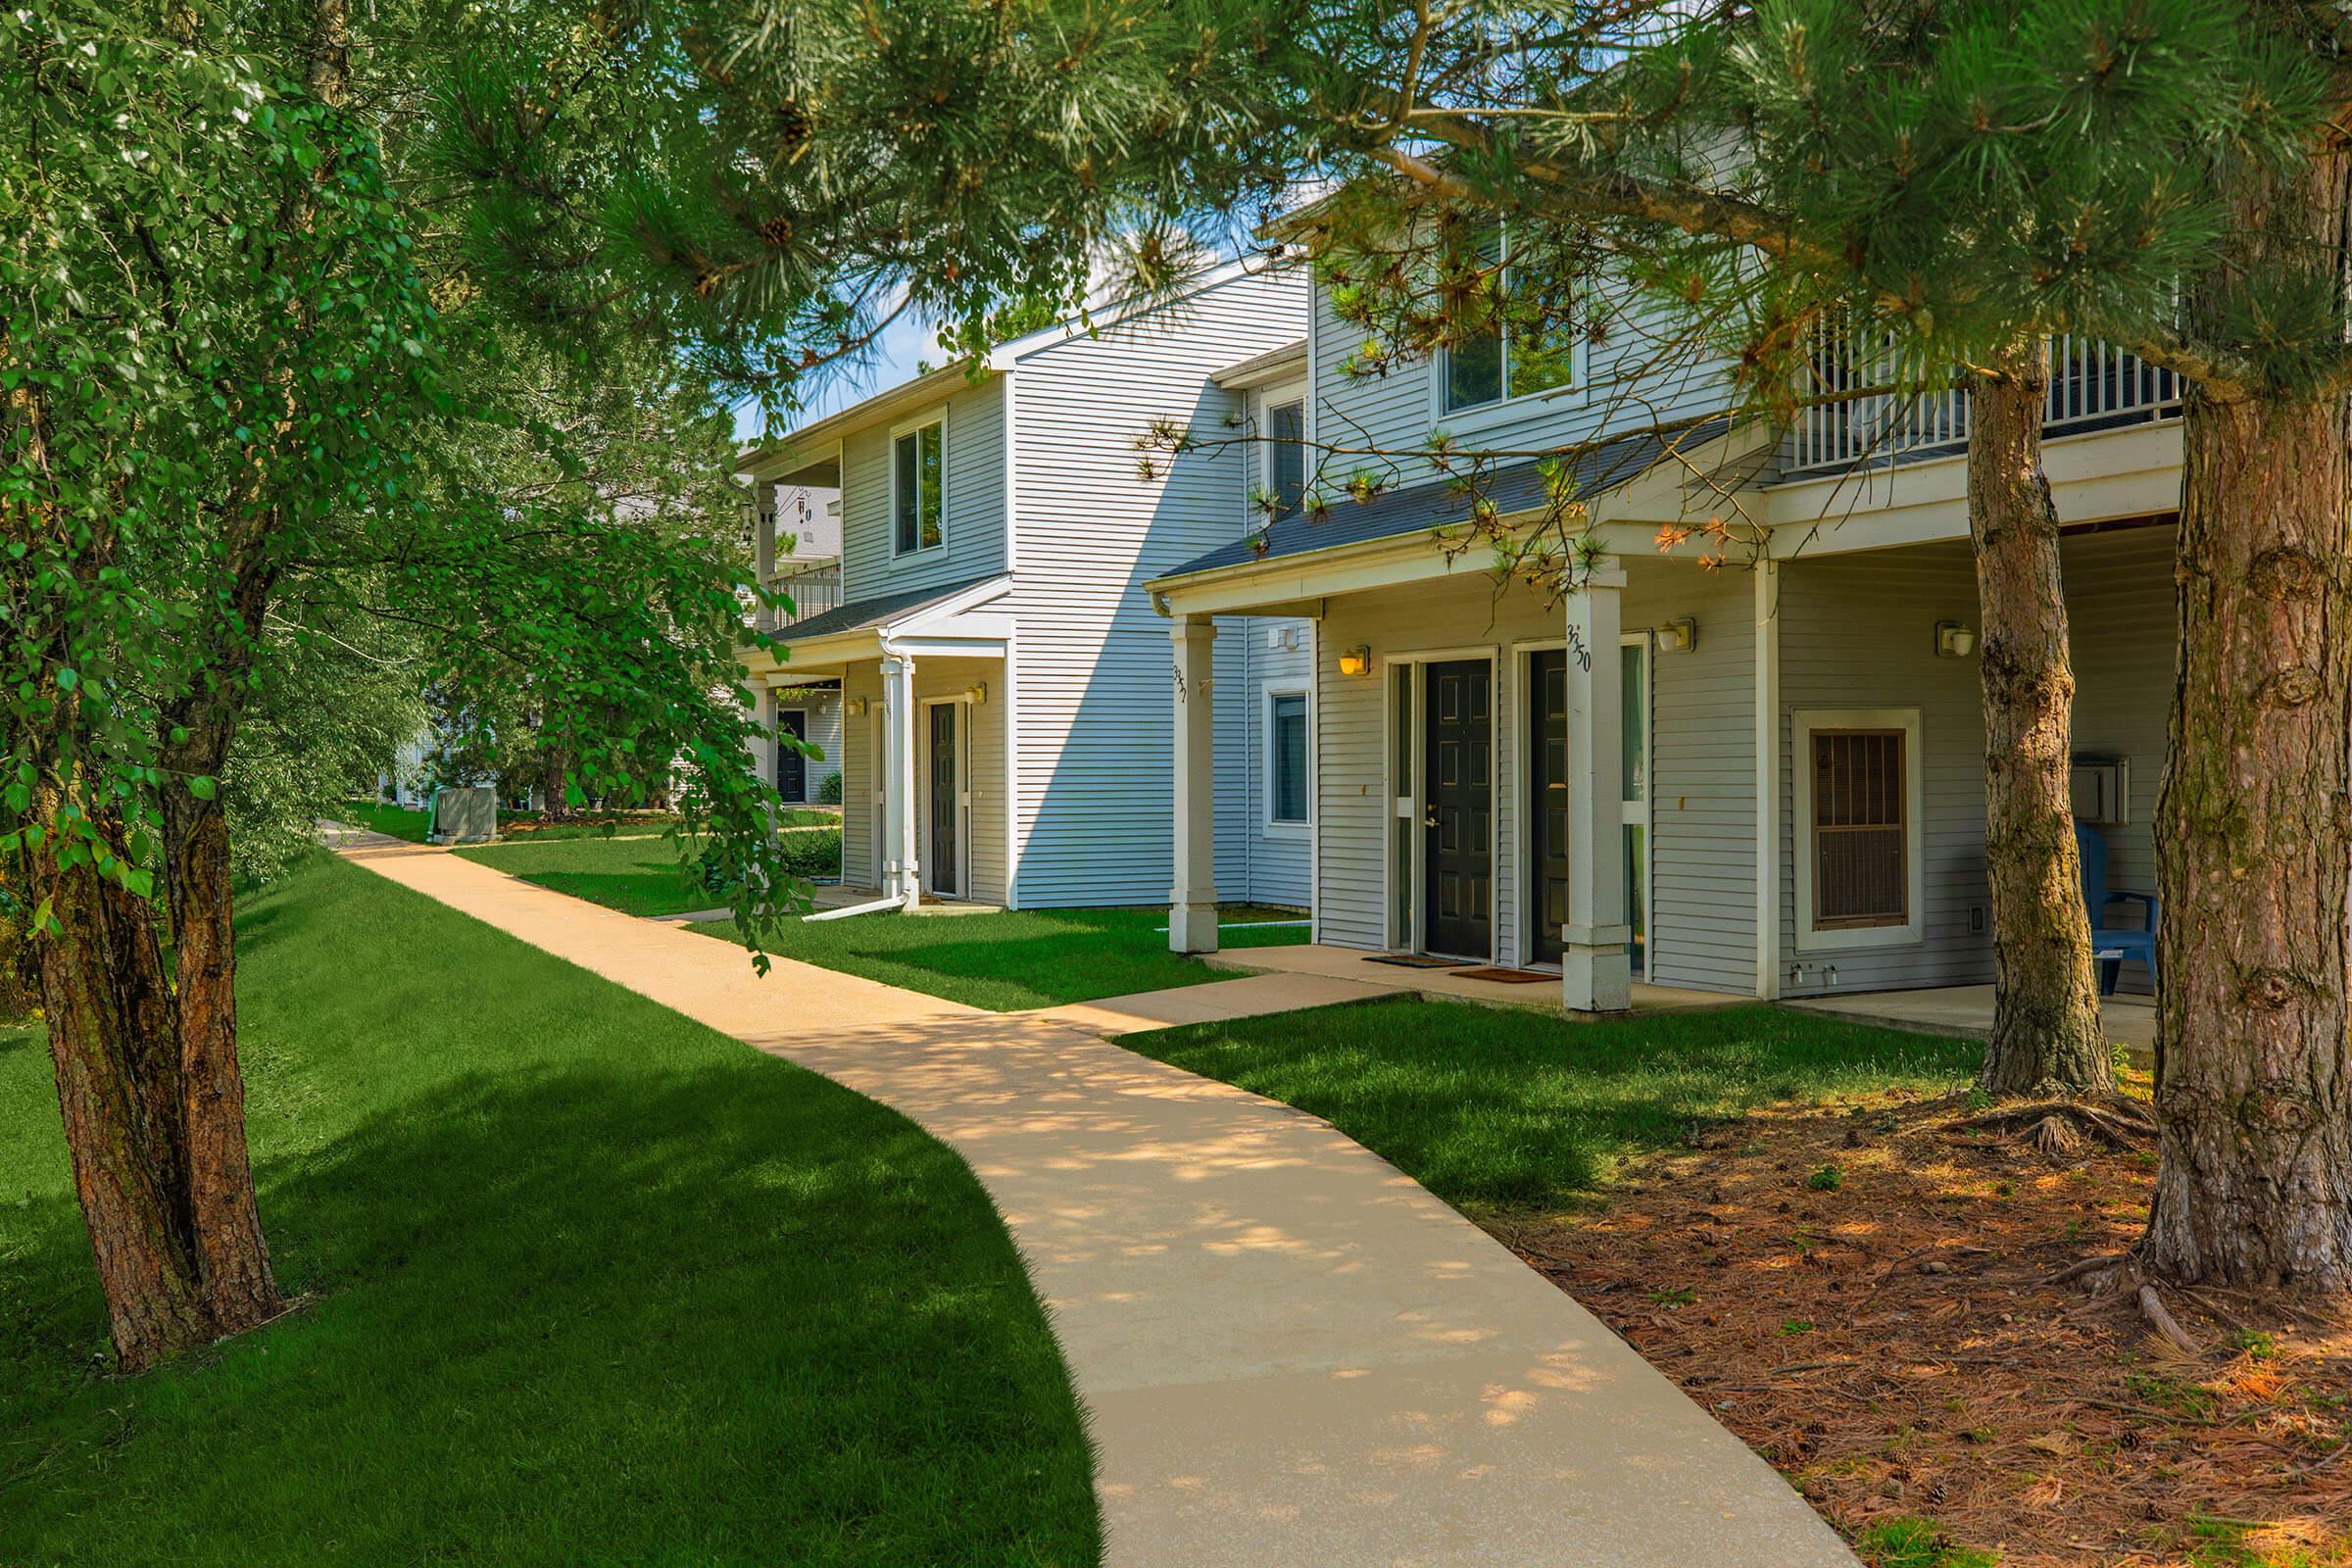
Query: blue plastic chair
x=2122 y=942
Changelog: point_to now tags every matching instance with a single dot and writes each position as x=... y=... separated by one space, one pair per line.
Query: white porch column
x=902 y=875
x=1596 y=972
x=1193 y=900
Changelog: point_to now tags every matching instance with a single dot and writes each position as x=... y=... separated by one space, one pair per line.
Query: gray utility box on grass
x=468 y=815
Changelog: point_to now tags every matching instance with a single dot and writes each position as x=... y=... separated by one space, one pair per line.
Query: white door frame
x=1643 y=813
x=1631 y=814
x=1498 y=700
x=963 y=793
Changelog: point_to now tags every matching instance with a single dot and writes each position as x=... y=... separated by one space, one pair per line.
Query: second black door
x=1548 y=788
x=791 y=765
x=1457 y=810
x=943 y=799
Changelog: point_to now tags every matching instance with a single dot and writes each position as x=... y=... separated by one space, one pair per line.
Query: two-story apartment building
x=1761 y=776
x=1003 y=679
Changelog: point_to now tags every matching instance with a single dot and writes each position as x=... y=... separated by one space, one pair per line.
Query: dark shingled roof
x=1393 y=513
x=862 y=614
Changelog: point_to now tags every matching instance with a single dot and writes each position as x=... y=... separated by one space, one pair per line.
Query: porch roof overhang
x=948 y=623
x=1634 y=486
x=2096 y=476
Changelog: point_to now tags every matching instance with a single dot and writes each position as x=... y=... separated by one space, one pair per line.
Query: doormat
x=1508 y=977
x=1412 y=960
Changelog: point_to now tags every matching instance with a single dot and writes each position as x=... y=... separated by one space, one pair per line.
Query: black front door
x=791 y=765
x=943 y=799
x=1457 y=810
x=1548 y=790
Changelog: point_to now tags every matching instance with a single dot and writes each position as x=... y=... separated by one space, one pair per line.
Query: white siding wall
x=974 y=542
x=1393 y=413
x=1092 y=676
x=1703 y=921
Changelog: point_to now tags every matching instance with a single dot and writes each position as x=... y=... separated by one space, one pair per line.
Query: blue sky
x=906 y=342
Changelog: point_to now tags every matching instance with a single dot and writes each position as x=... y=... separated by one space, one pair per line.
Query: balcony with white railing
x=814 y=591
x=2093 y=386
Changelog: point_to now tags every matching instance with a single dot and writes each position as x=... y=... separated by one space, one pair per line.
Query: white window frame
x=1507 y=407
x=1806 y=724
x=1276 y=827
x=937 y=414
x=1262 y=403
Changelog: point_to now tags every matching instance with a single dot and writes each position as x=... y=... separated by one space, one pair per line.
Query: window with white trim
x=1286 y=455
x=1502 y=359
x=919 y=487
x=1859 y=803
x=1286 y=781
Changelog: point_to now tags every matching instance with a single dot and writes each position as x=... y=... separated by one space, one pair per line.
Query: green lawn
x=1492 y=1109
x=1015 y=960
x=399 y=821
x=634 y=875
x=588 y=1283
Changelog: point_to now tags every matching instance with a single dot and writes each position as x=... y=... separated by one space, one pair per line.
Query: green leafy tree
x=229 y=395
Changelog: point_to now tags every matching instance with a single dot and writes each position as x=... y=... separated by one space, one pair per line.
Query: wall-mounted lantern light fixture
x=978 y=691
x=854 y=707
x=1357 y=661
x=1953 y=640
x=1679 y=636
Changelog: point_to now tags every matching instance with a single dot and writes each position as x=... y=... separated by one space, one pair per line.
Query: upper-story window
x=918 y=486
x=1285 y=449
x=1507 y=358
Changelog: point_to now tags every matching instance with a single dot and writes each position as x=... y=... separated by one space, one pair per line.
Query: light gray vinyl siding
x=1631 y=383
x=860 y=797
x=973 y=543
x=1702 y=903
x=1702 y=780
x=1093 y=821
x=1256 y=862
x=1858 y=631
x=2118 y=598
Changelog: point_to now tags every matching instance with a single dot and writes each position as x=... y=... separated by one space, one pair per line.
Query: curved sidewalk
x=1291 y=1354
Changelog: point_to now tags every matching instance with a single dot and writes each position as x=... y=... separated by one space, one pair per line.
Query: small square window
x=918 y=483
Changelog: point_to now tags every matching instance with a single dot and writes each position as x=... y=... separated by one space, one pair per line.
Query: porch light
x=1679 y=636
x=854 y=707
x=1953 y=640
x=1357 y=661
x=977 y=691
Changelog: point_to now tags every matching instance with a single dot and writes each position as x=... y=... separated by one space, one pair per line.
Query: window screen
x=918 y=486
x=1861 y=865
x=1286 y=456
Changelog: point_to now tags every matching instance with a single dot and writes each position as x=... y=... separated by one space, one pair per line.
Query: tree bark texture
x=2254 y=823
x=2047 y=1034
x=233 y=1261
x=112 y=1047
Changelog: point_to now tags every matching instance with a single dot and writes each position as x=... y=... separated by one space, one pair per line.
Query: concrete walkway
x=1293 y=1355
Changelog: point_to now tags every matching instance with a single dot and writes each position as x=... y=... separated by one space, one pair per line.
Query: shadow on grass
x=729 y=1312
x=1506 y=1108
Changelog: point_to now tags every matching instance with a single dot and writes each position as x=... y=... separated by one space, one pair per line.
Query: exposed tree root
x=2151 y=1307
x=2055 y=1124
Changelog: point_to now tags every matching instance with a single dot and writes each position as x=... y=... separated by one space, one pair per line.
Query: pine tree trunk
x=2046 y=1033
x=2254 y=825
x=110 y=1039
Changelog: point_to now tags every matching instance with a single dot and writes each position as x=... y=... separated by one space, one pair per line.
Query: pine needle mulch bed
x=1860 y=1292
